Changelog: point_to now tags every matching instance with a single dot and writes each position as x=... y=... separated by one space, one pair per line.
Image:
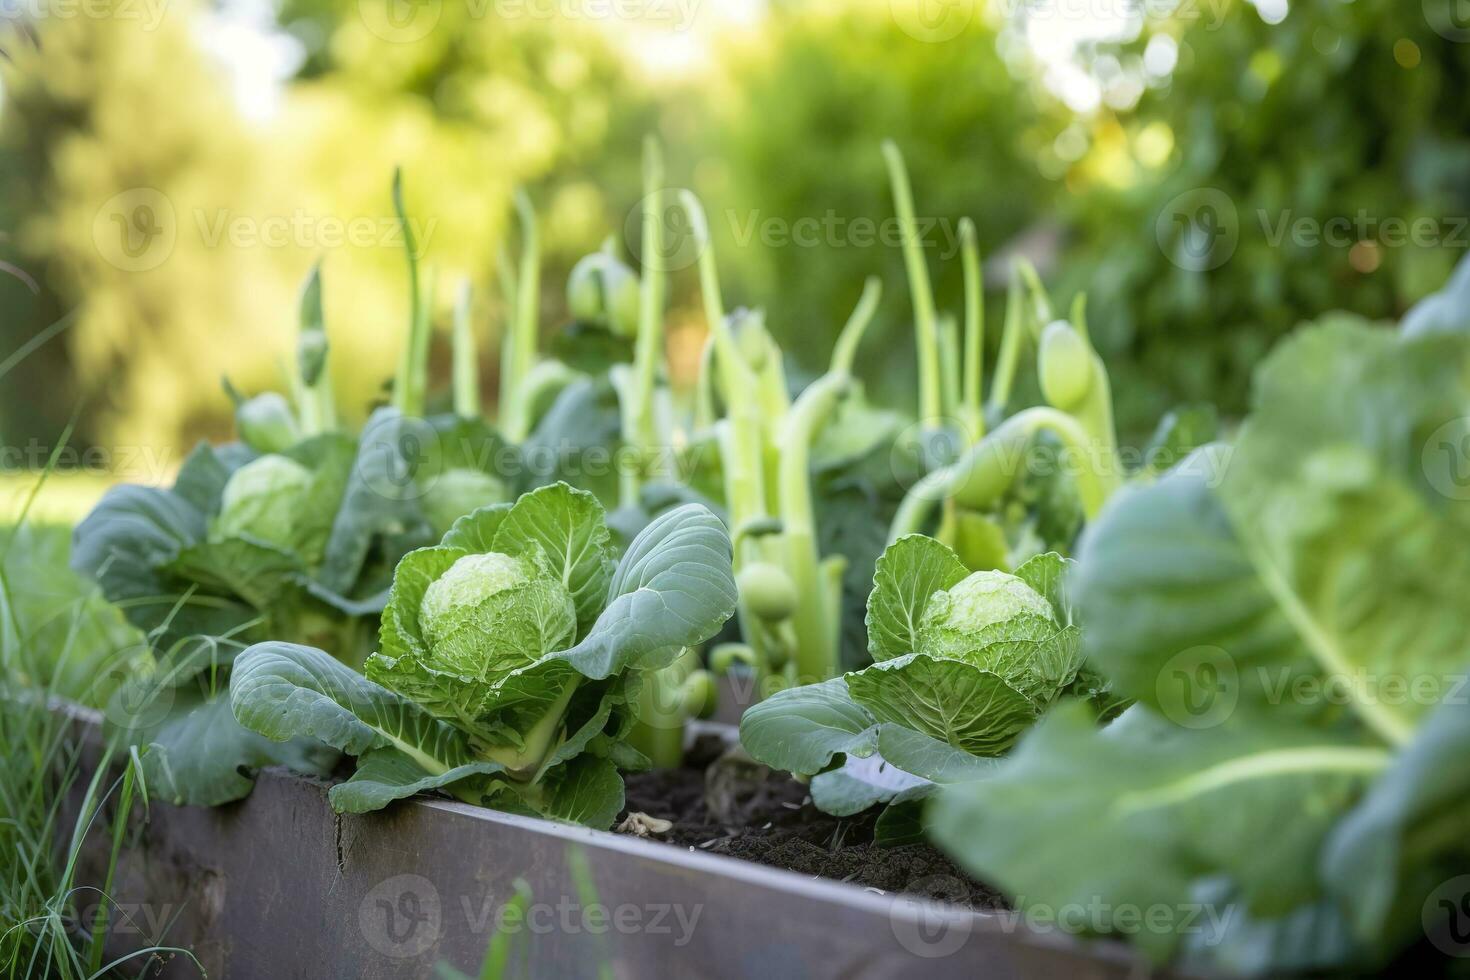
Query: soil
x=721 y=802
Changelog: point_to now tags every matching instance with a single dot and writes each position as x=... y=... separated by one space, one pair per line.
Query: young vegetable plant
x=790 y=605
x=963 y=663
x=973 y=487
x=284 y=534
x=510 y=659
x=1270 y=604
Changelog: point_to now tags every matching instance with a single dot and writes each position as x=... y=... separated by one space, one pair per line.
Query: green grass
x=58 y=640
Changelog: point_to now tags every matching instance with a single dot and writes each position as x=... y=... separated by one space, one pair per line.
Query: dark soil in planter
x=723 y=804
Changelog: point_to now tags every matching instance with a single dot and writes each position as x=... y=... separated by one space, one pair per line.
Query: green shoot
x=466 y=357
x=406 y=387
x=922 y=294
x=638 y=420
x=315 y=404
x=517 y=426
x=974 y=413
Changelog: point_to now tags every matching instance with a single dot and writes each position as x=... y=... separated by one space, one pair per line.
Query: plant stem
x=974 y=414
x=405 y=386
x=925 y=331
x=526 y=310
x=1010 y=349
x=505 y=272
x=814 y=624
x=638 y=423
x=315 y=403
x=466 y=358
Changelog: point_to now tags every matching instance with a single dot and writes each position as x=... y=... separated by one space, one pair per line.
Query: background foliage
x=1075 y=150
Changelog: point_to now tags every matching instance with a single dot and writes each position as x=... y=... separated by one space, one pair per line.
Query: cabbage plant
x=963 y=663
x=1288 y=610
x=509 y=661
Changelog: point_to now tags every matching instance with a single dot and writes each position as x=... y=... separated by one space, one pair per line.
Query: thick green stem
x=528 y=761
x=638 y=422
x=523 y=353
x=506 y=383
x=925 y=328
x=815 y=622
x=659 y=731
x=1037 y=291
x=704 y=386
x=405 y=385
x=974 y=414
x=1009 y=360
x=466 y=358
x=949 y=376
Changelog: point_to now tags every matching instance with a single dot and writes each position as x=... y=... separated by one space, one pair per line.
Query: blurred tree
x=802 y=116
x=112 y=136
x=1329 y=136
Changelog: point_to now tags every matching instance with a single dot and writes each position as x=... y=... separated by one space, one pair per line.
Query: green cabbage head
x=490 y=614
x=969 y=658
x=262 y=499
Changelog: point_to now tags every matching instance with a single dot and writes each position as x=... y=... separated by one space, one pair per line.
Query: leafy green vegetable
x=510 y=659
x=1287 y=610
x=964 y=663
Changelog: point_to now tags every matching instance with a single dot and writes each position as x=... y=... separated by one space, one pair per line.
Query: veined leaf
x=907 y=575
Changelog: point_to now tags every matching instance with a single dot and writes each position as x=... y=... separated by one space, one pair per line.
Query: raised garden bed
x=279 y=885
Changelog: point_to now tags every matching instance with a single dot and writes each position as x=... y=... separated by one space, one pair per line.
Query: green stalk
x=466 y=358
x=949 y=376
x=979 y=478
x=1037 y=291
x=505 y=272
x=638 y=422
x=405 y=386
x=1009 y=359
x=739 y=384
x=704 y=386
x=974 y=414
x=315 y=403
x=1079 y=316
x=659 y=732
x=526 y=309
x=925 y=330
x=814 y=624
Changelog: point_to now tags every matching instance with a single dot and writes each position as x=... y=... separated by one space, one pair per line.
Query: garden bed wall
x=280 y=886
